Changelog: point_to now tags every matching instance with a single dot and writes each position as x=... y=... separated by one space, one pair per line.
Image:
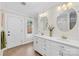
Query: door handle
x=8 y=31
x=8 y=34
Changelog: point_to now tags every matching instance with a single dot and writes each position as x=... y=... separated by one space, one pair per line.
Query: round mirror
x=67 y=20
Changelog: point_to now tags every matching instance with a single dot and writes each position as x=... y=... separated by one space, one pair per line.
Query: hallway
x=23 y=50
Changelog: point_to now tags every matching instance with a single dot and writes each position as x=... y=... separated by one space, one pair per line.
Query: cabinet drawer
x=68 y=50
x=53 y=44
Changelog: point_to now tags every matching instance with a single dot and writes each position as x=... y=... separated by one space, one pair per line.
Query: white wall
x=1 y=5
x=0 y=24
x=52 y=18
x=0 y=29
x=35 y=23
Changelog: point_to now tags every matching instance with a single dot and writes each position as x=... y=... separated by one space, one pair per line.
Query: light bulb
x=64 y=7
x=43 y=14
x=69 y=5
x=59 y=8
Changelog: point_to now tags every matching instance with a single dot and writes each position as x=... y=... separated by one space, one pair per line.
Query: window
x=29 y=26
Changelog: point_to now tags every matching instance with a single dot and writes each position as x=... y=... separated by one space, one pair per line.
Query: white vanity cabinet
x=46 y=47
x=49 y=47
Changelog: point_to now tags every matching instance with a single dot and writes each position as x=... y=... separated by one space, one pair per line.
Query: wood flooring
x=23 y=50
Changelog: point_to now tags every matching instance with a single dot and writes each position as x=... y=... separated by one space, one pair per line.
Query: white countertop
x=69 y=42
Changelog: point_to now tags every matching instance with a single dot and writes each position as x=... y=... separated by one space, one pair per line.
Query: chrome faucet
x=64 y=37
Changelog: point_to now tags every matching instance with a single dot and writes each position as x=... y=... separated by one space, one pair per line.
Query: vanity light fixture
x=69 y=5
x=64 y=6
x=44 y=14
x=59 y=8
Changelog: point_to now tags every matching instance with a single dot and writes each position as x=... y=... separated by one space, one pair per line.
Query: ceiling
x=30 y=9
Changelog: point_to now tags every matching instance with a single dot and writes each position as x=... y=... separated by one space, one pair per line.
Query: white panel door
x=14 y=30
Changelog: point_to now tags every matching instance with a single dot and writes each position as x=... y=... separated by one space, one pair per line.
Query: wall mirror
x=67 y=20
x=44 y=24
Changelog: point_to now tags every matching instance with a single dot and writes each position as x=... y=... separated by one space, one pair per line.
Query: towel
x=3 y=40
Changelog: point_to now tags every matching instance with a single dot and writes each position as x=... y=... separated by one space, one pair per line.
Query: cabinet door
x=40 y=45
x=37 y=44
x=70 y=51
x=53 y=48
x=43 y=46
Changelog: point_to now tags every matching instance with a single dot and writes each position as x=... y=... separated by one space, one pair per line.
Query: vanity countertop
x=60 y=40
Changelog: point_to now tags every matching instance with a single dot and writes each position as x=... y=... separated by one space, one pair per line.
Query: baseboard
x=38 y=53
x=28 y=42
x=19 y=45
